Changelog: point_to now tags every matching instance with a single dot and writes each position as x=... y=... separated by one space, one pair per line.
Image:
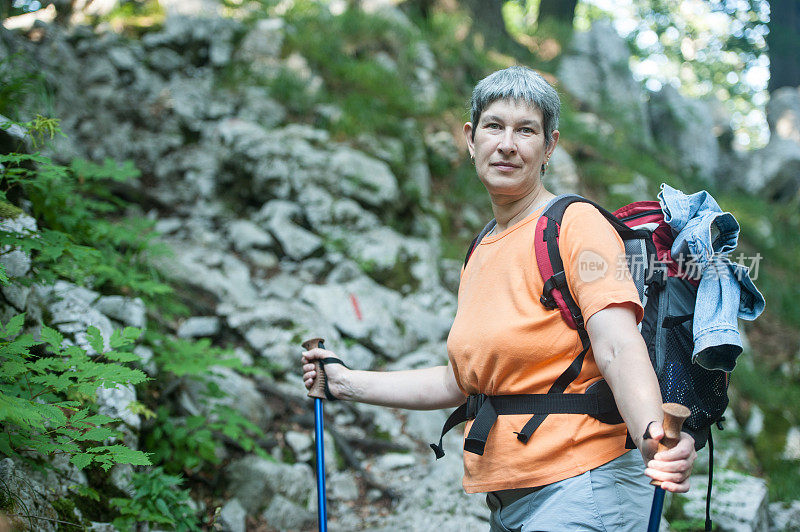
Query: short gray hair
x=517 y=83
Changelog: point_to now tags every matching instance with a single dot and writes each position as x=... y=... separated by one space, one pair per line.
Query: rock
x=785 y=517
x=687 y=127
x=791 y=451
x=12 y=130
x=122 y=58
x=16 y=295
x=240 y=395
x=394 y=461
x=72 y=314
x=295 y=241
x=385 y=420
x=595 y=70
x=636 y=190
x=773 y=171
x=755 y=423
x=245 y=235
x=363 y=178
x=259 y=107
x=130 y=311
x=342 y=486
x=28 y=498
x=114 y=402
x=261 y=47
x=358 y=357
x=336 y=218
x=425 y=425
x=783 y=113
x=146 y=359
x=102 y=527
x=562 y=174
x=232 y=516
x=199 y=326
x=22 y=224
x=121 y=477
x=301 y=445
x=285 y=515
x=363 y=310
x=739 y=502
x=222 y=275
x=255 y=481
x=16 y=263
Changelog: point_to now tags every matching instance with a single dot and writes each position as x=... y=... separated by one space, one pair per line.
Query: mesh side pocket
x=703 y=391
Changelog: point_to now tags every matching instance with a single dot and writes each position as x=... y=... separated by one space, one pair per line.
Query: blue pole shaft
x=322 y=514
x=656 y=510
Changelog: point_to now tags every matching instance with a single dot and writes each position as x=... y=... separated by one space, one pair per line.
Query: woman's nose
x=507 y=145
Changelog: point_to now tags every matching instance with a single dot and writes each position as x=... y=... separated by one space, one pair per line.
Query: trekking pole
x=317 y=391
x=674 y=416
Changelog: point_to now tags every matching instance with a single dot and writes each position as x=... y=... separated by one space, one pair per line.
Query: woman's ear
x=551 y=148
x=468 y=138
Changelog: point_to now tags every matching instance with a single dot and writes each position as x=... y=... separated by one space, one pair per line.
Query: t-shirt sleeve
x=594 y=262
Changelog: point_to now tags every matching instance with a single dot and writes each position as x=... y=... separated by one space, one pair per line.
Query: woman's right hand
x=334 y=372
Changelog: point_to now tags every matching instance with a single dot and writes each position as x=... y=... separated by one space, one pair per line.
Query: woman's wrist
x=339 y=384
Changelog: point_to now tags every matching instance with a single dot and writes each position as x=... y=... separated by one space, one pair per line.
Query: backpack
x=667 y=293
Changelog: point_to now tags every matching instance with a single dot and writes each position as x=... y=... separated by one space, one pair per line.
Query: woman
x=575 y=472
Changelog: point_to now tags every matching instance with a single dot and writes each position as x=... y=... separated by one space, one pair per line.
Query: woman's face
x=509 y=148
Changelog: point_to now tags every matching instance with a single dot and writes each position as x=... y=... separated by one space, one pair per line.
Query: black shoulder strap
x=554 y=214
x=488 y=227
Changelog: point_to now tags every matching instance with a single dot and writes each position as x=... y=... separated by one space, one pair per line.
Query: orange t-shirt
x=504 y=341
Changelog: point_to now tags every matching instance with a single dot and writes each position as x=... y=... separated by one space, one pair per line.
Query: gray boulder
x=363 y=178
x=685 y=127
x=28 y=498
x=199 y=326
x=114 y=402
x=285 y=515
x=773 y=171
x=130 y=311
x=595 y=70
x=562 y=174
x=783 y=113
x=261 y=47
x=255 y=481
x=222 y=275
x=784 y=516
x=240 y=394
x=740 y=502
x=232 y=516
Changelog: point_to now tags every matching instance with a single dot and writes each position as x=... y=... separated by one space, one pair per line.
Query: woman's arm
x=621 y=356
x=416 y=389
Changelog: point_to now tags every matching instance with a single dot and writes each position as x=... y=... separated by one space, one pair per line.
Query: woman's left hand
x=672 y=466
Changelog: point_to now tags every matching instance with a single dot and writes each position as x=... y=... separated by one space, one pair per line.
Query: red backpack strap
x=556 y=293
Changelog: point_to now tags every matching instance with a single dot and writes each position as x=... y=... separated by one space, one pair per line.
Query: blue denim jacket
x=706 y=234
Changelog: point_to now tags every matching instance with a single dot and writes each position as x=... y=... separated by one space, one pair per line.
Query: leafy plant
x=77 y=241
x=156 y=500
x=47 y=398
x=188 y=443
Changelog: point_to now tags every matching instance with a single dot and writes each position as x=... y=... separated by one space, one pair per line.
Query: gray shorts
x=613 y=497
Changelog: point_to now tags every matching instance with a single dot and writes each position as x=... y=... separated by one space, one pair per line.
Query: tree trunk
x=783 y=42
x=421 y=8
x=487 y=16
x=562 y=11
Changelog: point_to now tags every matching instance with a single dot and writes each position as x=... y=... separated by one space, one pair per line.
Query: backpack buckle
x=474 y=404
x=548 y=302
x=658 y=276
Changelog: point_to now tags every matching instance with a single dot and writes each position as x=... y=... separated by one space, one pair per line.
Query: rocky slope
x=279 y=231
